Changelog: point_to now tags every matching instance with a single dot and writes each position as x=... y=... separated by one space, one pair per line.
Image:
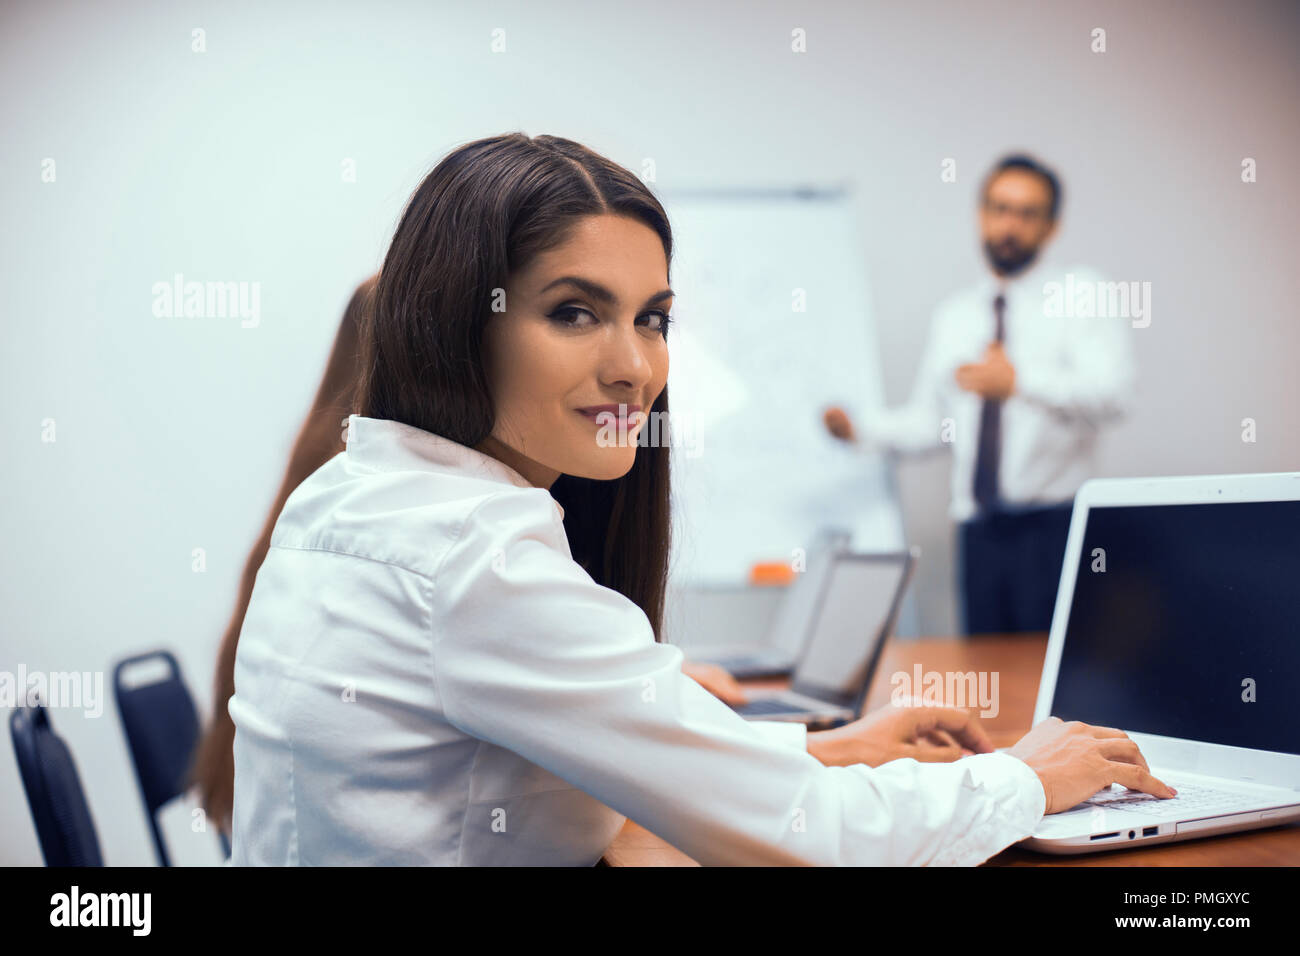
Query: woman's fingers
x=957 y=721
x=1123 y=750
x=927 y=751
x=1135 y=778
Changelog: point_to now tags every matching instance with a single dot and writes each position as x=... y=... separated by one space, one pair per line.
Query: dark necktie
x=990 y=446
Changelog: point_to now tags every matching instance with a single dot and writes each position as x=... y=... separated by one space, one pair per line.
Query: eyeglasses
x=1028 y=214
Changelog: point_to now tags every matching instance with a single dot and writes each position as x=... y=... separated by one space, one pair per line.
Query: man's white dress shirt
x=426 y=676
x=1073 y=374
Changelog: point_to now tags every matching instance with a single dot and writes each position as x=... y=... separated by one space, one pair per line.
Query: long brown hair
x=483 y=213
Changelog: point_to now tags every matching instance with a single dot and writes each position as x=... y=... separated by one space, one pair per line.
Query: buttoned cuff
x=1018 y=804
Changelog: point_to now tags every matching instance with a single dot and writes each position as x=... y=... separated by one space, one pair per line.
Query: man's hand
x=716 y=680
x=993 y=377
x=926 y=733
x=1075 y=760
x=838 y=424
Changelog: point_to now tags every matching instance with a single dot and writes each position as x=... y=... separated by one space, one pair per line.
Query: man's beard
x=1009 y=257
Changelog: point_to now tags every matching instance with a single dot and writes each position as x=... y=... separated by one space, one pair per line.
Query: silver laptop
x=1178 y=621
x=856 y=613
x=778 y=651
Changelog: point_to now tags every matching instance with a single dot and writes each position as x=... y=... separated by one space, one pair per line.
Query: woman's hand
x=926 y=733
x=1074 y=760
x=716 y=680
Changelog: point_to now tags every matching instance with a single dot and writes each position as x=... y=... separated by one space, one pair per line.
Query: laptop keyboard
x=745 y=663
x=1192 y=801
x=769 y=705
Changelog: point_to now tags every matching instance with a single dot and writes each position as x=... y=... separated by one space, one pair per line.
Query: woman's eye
x=575 y=317
x=657 y=321
x=571 y=316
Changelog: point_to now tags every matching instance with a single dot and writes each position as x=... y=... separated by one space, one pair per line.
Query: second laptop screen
x=858 y=597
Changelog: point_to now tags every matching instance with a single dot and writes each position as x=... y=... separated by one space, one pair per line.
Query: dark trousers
x=1009 y=568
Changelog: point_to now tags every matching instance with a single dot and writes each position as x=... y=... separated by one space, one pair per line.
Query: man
x=1019 y=392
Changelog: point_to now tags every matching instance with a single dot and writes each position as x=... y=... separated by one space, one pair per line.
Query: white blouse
x=426 y=676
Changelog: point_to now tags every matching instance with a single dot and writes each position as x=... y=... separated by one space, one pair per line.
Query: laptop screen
x=789 y=628
x=1196 y=612
x=858 y=605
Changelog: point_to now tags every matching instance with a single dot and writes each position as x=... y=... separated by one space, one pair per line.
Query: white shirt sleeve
x=916 y=426
x=1095 y=374
x=785 y=732
x=530 y=654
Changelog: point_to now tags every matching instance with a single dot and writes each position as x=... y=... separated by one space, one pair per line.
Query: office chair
x=162 y=730
x=64 y=826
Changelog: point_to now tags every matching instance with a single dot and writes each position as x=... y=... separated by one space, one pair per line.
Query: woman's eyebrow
x=600 y=293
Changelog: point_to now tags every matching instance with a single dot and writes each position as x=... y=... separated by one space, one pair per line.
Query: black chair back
x=162 y=730
x=64 y=826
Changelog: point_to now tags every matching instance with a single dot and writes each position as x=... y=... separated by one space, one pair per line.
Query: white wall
x=172 y=433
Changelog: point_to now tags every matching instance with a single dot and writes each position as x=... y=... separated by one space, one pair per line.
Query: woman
x=451 y=652
x=319 y=440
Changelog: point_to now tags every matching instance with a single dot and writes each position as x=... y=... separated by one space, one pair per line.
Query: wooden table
x=1018 y=659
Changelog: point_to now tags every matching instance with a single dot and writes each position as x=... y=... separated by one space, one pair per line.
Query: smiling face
x=583 y=333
